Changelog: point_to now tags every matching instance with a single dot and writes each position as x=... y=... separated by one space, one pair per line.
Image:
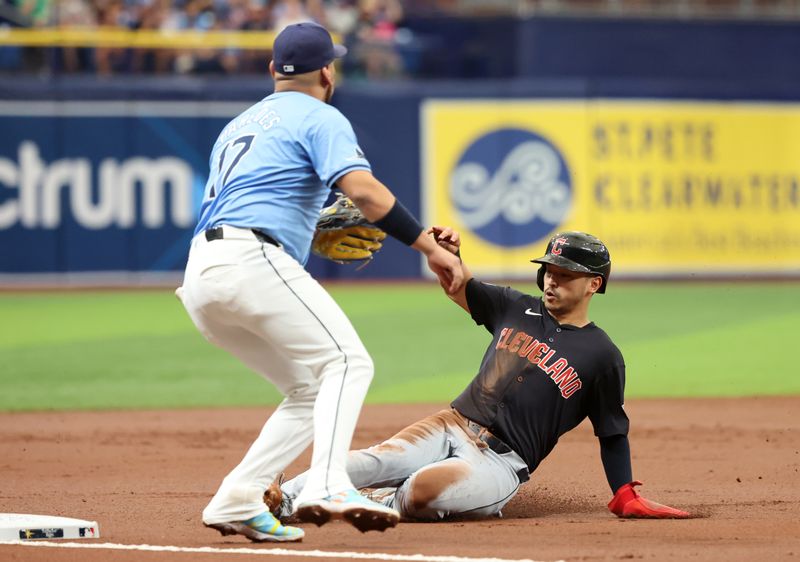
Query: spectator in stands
x=76 y=13
x=341 y=16
x=258 y=17
x=35 y=11
x=376 y=33
x=369 y=25
x=109 y=60
x=197 y=15
x=152 y=16
x=288 y=12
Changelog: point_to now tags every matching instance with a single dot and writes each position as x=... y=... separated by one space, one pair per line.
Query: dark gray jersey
x=538 y=378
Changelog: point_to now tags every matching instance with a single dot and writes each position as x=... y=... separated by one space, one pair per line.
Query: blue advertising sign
x=511 y=187
x=102 y=186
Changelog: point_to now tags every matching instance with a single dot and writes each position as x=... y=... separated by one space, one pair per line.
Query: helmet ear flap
x=602 y=288
x=540 y=278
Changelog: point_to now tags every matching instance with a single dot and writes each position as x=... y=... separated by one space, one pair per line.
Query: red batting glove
x=627 y=503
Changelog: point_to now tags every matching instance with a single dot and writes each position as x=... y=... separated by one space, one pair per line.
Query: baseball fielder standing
x=547 y=368
x=247 y=291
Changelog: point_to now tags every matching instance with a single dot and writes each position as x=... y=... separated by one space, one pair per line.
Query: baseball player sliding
x=546 y=369
x=246 y=290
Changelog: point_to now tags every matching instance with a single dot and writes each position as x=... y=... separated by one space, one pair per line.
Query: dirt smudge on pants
x=429 y=483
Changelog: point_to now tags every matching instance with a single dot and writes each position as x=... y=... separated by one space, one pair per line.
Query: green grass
x=139 y=349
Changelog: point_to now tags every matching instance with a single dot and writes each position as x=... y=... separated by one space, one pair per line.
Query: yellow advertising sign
x=670 y=187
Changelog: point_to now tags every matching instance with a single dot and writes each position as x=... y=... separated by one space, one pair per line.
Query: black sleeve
x=605 y=409
x=486 y=302
x=615 y=452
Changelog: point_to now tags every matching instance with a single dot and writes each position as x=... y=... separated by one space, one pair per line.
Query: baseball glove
x=273 y=496
x=344 y=234
x=279 y=505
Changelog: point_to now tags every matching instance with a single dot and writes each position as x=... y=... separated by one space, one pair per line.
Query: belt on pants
x=218 y=234
x=495 y=444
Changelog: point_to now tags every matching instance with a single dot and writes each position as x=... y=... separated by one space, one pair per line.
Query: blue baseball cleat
x=362 y=513
x=261 y=528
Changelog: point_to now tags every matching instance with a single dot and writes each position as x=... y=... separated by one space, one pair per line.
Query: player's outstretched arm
x=368 y=194
x=616 y=456
x=450 y=240
x=380 y=207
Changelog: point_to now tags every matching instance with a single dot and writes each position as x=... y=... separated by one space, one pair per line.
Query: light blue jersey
x=272 y=167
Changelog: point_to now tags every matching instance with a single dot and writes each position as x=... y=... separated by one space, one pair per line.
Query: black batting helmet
x=576 y=251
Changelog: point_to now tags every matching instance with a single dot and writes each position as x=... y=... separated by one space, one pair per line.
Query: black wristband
x=400 y=224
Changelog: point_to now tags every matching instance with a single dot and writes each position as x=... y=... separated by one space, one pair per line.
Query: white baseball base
x=19 y=526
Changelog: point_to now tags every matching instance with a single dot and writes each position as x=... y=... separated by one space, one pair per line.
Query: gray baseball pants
x=433 y=469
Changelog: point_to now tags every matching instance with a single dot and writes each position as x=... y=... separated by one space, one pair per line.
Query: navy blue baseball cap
x=304 y=47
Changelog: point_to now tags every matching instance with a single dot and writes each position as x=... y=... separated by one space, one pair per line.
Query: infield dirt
x=145 y=477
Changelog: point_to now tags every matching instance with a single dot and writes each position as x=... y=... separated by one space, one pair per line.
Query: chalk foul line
x=263 y=552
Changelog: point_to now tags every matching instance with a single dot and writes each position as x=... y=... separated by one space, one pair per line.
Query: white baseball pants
x=433 y=469
x=258 y=303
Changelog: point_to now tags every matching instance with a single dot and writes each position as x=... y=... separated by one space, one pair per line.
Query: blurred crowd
x=372 y=29
x=378 y=32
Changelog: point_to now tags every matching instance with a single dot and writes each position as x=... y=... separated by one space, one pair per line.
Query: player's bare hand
x=447 y=268
x=446 y=237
